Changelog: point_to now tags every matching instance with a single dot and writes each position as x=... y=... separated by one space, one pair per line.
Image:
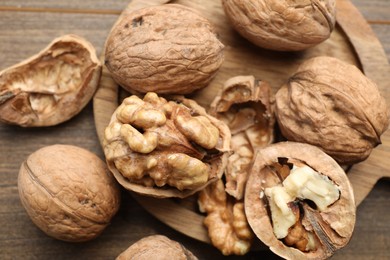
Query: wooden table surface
x=26 y=27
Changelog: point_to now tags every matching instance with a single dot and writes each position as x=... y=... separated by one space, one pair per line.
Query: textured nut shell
x=68 y=192
x=282 y=25
x=340 y=216
x=156 y=247
x=256 y=132
x=163 y=49
x=52 y=86
x=331 y=104
x=217 y=166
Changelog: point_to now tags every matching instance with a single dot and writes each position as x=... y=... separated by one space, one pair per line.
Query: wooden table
x=28 y=26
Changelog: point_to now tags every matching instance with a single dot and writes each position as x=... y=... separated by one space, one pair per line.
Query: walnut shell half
x=51 y=86
x=166 y=49
x=165 y=148
x=282 y=25
x=314 y=221
x=333 y=105
x=68 y=192
x=156 y=247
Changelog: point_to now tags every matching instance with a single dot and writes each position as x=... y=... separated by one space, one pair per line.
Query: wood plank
x=375 y=11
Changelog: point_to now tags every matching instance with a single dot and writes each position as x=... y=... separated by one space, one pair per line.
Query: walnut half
x=299 y=201
x=165 y=148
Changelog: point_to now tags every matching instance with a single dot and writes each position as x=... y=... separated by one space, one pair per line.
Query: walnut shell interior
x=330 y=228
x=51 y=86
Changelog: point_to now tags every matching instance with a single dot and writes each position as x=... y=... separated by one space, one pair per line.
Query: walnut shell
x=165 y=147
x=52 y=86
x=156 y=247
x=332 y=227
x=333 y=105
x=163 y=49
x=246 y=105
x=68 y=192
x=282 y=25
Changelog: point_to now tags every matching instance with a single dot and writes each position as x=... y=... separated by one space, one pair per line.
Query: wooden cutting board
x=352 y=41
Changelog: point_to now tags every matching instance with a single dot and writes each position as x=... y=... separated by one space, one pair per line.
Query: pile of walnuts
x=291 y=193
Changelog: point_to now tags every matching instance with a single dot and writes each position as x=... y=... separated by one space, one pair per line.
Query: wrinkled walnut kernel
x=165 y=148
x=52 y=86
x=226 y=221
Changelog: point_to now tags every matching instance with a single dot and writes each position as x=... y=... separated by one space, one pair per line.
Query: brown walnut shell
x=333 y=105
x=156 y=247
x=332 y=227
x=153 y=147
x=166 y=49
x=282 y=25
x=68 y=192
x=246 y=105
x=52 y=86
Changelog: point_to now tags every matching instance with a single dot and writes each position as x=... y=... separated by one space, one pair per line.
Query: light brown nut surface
x=163 y=49
x=68 y=192
x=156 y=247
x=332 y=105
x=51 y=86
x=226 y=222
x=282 y=25
x=313 y=213
x=246 y=105
x=165 y=148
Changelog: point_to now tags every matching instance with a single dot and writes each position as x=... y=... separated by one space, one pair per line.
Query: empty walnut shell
x=330 y=228
x=282 y=25
x=51 y=86
x=68 y=192
x=246 y=105
x=165 y=148
x=156 y=247
x=332 y=105
x=163 y=49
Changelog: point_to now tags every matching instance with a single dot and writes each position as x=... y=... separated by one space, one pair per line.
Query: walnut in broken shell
x=51 y=86
x=333 y=105
x=299 y=201
x=246 y=105
x=156 y=247
x=163 y=49
x=68 y=192
x=282 y=25
x=165 y=148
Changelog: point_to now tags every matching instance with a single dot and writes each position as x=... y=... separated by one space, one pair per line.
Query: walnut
x=68 y=192
x=51 y=86
x=156 y=247
x=246 y=105
x=163 y=49
x=299 y=201
x=282 y=25
x=165 y=148
x=226 y=222
x=331 y=104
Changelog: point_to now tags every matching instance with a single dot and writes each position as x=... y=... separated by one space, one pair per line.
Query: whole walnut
x=156 y=247
x=282 y=25
x=299 y=201
x=333 y=105
x=165 y=147
x=51 y=86
x=163 y=49
x=68 y=192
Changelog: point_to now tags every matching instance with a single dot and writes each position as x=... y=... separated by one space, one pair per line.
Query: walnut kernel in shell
x=51 y=86
x=163 y=49
x=323 y=208
x=333 y=105
x=165 y=148
x=68 y=192
x=282 y=25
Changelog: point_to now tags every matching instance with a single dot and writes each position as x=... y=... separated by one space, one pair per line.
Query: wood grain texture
x=24 y=33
